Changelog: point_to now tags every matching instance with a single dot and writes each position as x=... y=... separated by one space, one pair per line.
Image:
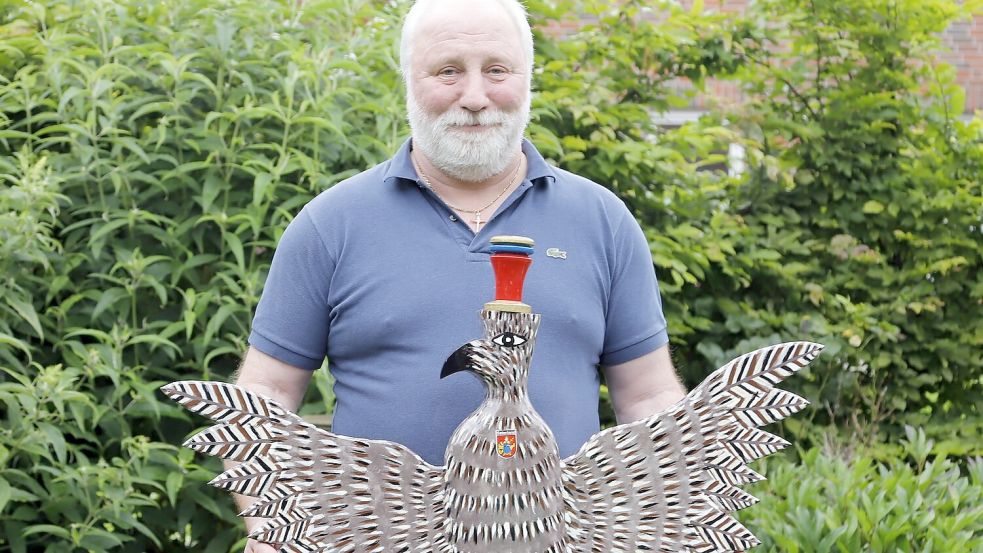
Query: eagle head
x=502 y=357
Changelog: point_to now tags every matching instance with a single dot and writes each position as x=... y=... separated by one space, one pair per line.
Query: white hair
x=515 y=9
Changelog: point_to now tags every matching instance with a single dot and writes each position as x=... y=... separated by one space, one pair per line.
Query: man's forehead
x=451 y=33
x=467 y=19
x=458 y=46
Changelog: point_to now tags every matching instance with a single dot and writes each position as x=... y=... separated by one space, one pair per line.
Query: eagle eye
x=509 y=339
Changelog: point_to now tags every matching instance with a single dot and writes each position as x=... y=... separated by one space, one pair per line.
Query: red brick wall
x=964 y=42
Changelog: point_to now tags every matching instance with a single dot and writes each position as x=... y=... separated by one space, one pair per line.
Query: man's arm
x=643 y=386
x=281 y=382
x=270 y=377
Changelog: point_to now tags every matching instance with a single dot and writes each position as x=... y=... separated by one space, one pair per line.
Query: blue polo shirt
x=380 y=276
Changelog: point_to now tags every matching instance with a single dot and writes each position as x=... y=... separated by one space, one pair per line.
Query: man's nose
x=474 y=97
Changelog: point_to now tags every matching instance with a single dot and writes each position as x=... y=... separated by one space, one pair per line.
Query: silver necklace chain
x=476 y=212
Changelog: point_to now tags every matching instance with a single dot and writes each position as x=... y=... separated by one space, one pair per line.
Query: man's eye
x=509 y=339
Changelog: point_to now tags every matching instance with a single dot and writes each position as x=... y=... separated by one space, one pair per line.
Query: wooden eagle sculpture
x=667 y=483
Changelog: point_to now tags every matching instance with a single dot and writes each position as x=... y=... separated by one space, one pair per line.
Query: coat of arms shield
x=506 y=443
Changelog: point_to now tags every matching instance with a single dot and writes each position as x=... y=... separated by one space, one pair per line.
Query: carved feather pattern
x=319 y=491
x=774 y=406
x=668 y=483
x=750 y=444
x=696 y=454
x=222 y=402
x=234 y=442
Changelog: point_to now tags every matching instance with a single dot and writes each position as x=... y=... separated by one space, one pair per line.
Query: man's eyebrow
x=455 y=58
x=500 y=59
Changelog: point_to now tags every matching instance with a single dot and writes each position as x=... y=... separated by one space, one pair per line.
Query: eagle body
x=504 y=497
x=668 y=483
x=513 y=504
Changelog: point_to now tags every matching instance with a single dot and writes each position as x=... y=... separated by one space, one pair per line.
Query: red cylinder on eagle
x=510 y=275
x=510 y=261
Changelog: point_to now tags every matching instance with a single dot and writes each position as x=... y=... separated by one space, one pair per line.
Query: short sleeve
x=291 y=320
x=635 y=324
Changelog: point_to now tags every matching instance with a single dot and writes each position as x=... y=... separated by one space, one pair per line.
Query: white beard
x=468 y=155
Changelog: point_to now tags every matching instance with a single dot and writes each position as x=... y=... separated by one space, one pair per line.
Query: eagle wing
x=320 y=491
x=669 y=482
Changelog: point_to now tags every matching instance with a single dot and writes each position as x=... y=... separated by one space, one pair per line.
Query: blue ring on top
x=511 y=248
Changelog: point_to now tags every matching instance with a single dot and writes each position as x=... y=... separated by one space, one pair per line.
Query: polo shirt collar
x=537 y=167
x=401 y=166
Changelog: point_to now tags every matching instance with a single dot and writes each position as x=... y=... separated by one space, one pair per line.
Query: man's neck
x=474 y=202
x=452 y=186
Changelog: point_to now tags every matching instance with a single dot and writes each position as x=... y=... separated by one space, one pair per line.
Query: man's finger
x=253 y=546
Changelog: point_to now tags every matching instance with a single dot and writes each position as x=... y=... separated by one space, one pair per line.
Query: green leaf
x=173 y=485
x=873 y=207
x=55 y=440
x=109 y=298
x=261 y=186
x=47 y=529
x=4 y=493
x=154 y=340
x=217 y=320
x=100 y=232
x=236 y=246
x=14 y=342
x=14 y=534
x=99 y=540
x=26 y=310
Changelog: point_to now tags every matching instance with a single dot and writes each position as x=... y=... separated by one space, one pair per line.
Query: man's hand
x=253 y=546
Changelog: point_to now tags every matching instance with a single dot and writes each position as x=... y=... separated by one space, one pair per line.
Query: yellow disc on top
x=517 y=240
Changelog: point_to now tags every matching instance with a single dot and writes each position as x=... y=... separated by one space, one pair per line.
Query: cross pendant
x=477 y=222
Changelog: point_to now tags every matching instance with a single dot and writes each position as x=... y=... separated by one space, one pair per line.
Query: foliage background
x=151 y=153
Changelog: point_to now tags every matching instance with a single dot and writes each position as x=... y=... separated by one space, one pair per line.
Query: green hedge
x=151 y=153
x=823 y=503
x=876 y=225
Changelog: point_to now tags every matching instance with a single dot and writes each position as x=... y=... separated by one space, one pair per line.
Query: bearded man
x=384 y=272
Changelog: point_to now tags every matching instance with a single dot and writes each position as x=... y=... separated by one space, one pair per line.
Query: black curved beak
x=459 y=361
